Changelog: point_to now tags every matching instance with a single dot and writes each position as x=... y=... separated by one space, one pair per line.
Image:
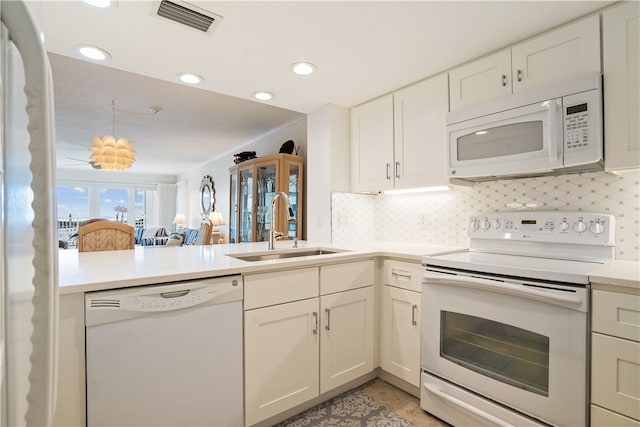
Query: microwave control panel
x=582 y=128
x=558 y=227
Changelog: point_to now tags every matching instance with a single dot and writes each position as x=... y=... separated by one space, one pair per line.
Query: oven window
x=505 y=353
x=506 y=140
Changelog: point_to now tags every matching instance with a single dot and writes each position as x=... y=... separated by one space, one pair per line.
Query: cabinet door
x=281 y=358
x=400 y=343
x=615 y=369
x=557 y=55
x=233 y=207
x=481 y=80
x=420 y=142
x=346 y=349
x=621 y=59
x=246 y=212
x=372 y=145
x=266 y=187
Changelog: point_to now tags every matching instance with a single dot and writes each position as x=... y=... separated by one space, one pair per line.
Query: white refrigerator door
x=28 y=246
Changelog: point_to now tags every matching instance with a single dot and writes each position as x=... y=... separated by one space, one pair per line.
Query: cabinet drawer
x=405 y=275
x=614 y=374
x=616 y=314
x=601 y=417
x=342 y=277
x=278 y=287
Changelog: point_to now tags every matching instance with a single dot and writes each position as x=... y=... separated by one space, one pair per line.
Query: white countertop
x=620 y=273
x=92 y=271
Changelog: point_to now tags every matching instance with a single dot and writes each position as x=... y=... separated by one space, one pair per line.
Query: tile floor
x=400 y=402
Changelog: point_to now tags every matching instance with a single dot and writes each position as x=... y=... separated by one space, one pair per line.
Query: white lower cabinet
x=400 y=344
x=299 y=344
x=281 y=358
x=346 y=344
x=400 y=320
x=615 y=359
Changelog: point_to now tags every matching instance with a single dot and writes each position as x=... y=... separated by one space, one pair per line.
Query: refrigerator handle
x=39 y=93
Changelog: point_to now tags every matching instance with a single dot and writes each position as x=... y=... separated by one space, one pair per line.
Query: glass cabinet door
x=265 y=190
x=246 y=204
x=294 y=192
x=233 y=208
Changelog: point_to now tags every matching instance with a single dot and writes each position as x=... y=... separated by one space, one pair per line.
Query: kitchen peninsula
x=347 y=272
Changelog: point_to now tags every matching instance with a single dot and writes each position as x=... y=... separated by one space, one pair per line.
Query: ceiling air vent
x=189 y=15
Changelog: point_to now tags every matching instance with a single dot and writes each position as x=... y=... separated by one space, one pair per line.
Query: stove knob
x=580 y=226
x=475 y=224
x=497 y=224
x=596 y=227
x=486 y=224
x=564 y=225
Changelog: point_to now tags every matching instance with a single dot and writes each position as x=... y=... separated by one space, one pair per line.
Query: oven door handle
x=502 y=287
x=464 y=405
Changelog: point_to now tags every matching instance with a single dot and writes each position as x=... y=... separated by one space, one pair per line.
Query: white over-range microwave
x=552 y=130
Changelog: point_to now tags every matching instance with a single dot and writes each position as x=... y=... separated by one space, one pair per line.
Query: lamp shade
x=216 y=218
x=179 y=218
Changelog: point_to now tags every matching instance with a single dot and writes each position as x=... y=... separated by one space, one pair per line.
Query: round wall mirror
x=207 y=197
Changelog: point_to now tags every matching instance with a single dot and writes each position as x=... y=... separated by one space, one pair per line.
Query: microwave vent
x=189 y=15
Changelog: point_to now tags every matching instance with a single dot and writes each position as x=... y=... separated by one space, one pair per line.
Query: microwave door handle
x=553 y=120
x=502 y=287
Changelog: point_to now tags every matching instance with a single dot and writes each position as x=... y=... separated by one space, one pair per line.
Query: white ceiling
x=362 y=50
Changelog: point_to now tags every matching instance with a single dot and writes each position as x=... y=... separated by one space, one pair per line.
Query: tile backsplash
x=441 y=217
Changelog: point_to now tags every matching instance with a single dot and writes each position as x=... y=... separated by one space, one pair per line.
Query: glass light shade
x=109 y=154
x=179 y=218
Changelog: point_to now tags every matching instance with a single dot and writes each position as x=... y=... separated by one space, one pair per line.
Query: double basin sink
x=284 y=253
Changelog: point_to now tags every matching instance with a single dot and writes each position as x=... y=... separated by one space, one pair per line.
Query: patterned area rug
x=351 y=409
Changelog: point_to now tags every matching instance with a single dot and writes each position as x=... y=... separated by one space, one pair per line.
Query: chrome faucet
x=291 y=218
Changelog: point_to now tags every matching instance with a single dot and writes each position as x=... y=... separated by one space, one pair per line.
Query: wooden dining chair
x=105 y=236
x=204 y=233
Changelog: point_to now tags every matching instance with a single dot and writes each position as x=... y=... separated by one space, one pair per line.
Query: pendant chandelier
x=111 y=154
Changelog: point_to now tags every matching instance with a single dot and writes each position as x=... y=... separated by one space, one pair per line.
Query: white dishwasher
x=165 y=355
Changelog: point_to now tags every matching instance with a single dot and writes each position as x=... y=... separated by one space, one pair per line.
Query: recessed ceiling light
x=263 y=95
x=93 y=53
x=101 y=4
x=303 y=68
x=190 y=78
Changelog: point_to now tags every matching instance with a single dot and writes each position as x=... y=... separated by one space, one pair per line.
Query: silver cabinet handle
x=397 y=169
x=414 y=308
x=328 y=326
x=504 y=80
x=388 y=170
x=400 y=273
x=519 y=74
x=315 y=327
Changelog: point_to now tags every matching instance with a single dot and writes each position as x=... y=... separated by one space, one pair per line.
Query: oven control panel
x=552 y=227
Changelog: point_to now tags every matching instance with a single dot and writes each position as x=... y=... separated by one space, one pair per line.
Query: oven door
x=519 y=343
x=522 y=140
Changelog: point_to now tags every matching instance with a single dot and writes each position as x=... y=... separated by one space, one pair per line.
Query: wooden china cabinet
x=253 y=183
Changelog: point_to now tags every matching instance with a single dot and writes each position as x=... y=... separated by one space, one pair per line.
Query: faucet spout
x=291 y=218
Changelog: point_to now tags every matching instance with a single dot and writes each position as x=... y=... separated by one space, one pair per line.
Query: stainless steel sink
x=284 y=253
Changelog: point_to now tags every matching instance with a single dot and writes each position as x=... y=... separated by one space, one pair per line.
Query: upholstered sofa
x=151 y=236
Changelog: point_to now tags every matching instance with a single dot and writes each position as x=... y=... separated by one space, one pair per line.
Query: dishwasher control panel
x=121 y=304
x=552 y=227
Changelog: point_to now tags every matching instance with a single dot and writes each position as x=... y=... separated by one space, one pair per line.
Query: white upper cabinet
x=420 y=142
x=399 y=140
x=553 y=56
x=621 y=59
x=372 y=145
x=481 y=80
x=557 y=55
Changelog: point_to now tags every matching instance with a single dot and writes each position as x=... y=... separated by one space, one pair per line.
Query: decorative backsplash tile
x=441 y=217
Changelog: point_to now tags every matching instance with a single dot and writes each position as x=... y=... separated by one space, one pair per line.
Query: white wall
x=188 y=196
x=328 y=166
